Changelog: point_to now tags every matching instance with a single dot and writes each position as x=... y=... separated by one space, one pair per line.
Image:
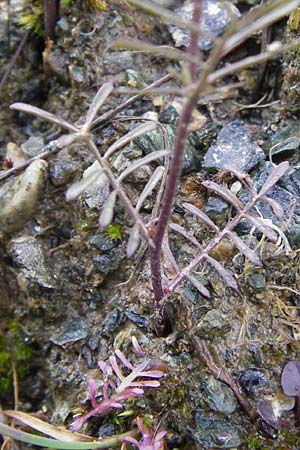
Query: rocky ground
x=69 y=296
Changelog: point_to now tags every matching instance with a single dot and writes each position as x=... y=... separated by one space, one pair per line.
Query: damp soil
x=69 y=296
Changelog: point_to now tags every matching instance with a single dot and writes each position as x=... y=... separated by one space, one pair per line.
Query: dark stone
x=234 y=147
x=252 y=380
x=103 y=242
x=111 y=323
x=137 y=319
x=74 y=331
x=217 y=433
x=215 y=207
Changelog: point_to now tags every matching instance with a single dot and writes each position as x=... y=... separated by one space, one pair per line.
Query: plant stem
x=171 y=185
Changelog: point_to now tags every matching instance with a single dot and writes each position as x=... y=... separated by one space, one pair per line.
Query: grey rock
x=74 y=331
x=116 y=62
x=112 y=322
x=234 y=146
x=102 y=242
x=219 y=397
x=217 y=433
x=153 y=141
x=257 y=281
x=213 y=323
x=252 y=380
x=62 y=172
x=215 y=207
x=33 y=145
x=19 y=196
x=28 y=253
x=216 y=16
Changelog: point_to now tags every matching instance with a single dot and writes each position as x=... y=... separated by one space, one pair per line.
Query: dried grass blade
x=244 y=249
x=21 y=436
x=29 y=109
x=242 y=176
x=224 y=193
x=199 y=286
x=274 y=176
x=137 y=131
x=97 y=102
x=46 y=428
x=201 y=215
x=141 y=162
x=224 y=273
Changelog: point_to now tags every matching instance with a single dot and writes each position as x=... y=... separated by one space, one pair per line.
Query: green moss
x=114 y=231
x=12 y=348
x=256 y=443
x=32 y=17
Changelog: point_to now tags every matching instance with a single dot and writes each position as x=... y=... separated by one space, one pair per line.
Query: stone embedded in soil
x=111 y=323
x=153 y=141
x=74 y=331
x=212 y=324
x=215 y=206
x=118 y=61
x=19 y=196
x=234 y=147
x=62 y=172
x=32 y=146
x=252 y=380
x=217 y=433
x=257 y=281
x=219 y=397
x=103 y=242
x=28 y=253
x=216 y=16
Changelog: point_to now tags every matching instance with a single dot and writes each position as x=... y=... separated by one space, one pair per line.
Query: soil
x=77 y=297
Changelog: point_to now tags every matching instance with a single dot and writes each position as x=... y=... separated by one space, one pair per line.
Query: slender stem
x=50 y=18
x=171 y=186
x=222 y=375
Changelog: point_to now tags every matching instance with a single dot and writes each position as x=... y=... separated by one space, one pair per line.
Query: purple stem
x=171 y=185
x=50 y=18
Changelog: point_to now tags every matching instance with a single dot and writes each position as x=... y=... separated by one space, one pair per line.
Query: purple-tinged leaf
x=104 y=367
x=201 y=215
x=152 y=374
x=136 y=347
x=93 y=390
x=244 y=249
x=146 y=383
x=276 y=207
x=263 y=227
x=266 y=411
x=290 y=379
x=116 y=368
x=224 y=193
x=199 y=286
x=123 y=359
x=224 y=273
x=274 y=176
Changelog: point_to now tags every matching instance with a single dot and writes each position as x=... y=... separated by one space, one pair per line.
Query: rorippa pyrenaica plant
x=202 y=79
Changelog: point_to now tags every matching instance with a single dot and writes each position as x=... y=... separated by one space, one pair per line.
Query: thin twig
x=222 y=375
x=13 y=60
